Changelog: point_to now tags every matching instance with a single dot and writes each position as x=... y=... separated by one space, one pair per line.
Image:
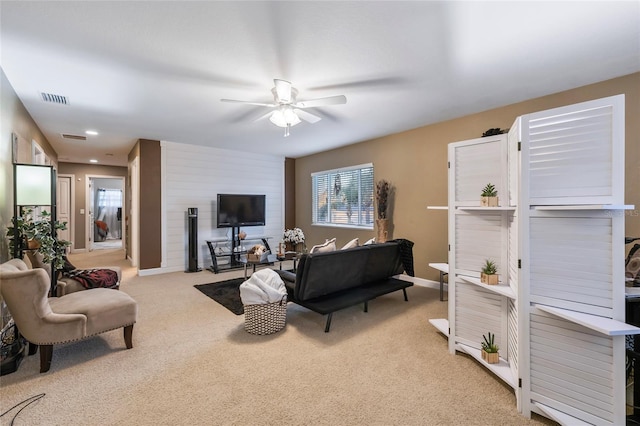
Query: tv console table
x=236 y=252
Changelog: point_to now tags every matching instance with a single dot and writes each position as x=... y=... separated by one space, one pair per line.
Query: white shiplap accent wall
x=193 y=175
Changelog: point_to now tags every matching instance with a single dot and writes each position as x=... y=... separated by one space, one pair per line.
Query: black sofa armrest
x=287 y=276
x=289 y=279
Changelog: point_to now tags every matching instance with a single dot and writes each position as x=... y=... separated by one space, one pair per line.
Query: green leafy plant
x=489 y=268
x=28 y=228
x=489 y=345
x=489 y=191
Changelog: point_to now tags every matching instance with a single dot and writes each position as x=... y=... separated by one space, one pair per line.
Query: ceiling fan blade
x=263 y=116
x=307 y=116
x=331 y=100
x=283 y=90
x=369 y=83
x=248 y=103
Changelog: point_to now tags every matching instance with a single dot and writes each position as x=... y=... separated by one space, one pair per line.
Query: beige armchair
x=45 y=321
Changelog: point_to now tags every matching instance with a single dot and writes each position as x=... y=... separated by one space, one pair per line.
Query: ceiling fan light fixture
x=284 y=117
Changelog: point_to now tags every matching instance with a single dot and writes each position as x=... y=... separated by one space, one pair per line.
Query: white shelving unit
x=501 y=288
x=441 y=324
x=558 y=240
x=476 y=234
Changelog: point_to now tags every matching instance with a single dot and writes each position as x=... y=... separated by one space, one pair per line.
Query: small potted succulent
x=489 y=196
x=490 y=349
x=489 y=273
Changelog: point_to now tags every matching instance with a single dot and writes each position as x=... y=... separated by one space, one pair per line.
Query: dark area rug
x=226 y=293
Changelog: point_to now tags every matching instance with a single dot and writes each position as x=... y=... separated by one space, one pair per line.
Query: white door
x=63 y=206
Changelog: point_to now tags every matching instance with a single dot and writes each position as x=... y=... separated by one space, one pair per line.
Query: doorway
x=105 y=202
x=65 y=205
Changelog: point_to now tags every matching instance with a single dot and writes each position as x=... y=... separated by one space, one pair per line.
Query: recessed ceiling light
x=93 y=160
x=91 y=132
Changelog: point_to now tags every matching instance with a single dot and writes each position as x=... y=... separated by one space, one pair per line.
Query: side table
x=269 y=261
x=289 y=255
x=444 y=270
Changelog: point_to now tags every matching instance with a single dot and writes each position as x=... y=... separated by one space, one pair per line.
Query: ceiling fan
x=287 y=110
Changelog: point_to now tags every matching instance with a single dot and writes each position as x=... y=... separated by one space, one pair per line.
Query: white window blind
x=344 y=197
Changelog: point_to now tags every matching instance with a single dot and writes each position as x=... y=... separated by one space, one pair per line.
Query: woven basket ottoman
x=266 y=318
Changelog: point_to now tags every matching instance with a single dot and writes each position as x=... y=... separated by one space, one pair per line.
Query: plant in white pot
x=294 y=238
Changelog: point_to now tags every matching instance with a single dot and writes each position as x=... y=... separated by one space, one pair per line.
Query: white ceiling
x=157 y=70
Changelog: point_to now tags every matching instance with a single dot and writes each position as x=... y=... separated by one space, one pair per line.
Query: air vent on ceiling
x=56 y=99
x=76 y=137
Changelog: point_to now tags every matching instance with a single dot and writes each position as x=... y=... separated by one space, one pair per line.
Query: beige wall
x=14 y=119
x=80 y=173
x=289 y=193
x=415 y=162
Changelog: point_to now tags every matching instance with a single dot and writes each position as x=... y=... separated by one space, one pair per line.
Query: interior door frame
x=134 y=180
x=72 y=207
x=88 y=237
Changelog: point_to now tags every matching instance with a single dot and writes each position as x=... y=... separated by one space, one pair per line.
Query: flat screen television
x=240 y=210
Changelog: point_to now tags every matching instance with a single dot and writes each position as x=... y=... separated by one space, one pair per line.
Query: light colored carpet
x=193 y=364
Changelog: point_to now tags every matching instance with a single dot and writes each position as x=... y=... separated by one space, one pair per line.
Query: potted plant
x=489 y=196
x=36 y=235
x=294 y=237
x=490 y=349
x=489 y=273
x=383 y=188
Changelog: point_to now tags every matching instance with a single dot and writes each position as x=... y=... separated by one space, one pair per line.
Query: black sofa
x=328 y=282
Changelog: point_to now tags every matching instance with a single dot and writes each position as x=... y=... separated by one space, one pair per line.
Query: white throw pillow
x=351 y=244
x=329 y=245
x=371 y=241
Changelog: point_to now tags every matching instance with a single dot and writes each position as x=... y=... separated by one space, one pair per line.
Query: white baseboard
x=422 y=282
x=157 y=271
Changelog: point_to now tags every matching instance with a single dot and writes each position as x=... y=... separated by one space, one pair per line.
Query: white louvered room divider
x=478 y=234
x=573 y=264
x=558 y=239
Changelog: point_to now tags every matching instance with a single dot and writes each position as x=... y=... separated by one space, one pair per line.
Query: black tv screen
x=240 y=210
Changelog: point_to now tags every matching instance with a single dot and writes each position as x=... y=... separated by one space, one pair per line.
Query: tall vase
x=383 y=230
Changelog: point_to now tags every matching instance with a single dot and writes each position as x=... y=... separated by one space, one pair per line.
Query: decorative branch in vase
x=383 y=188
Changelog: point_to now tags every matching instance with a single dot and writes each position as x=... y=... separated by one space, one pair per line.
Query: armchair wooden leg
x=33 y=348
x=128 y=336
x=46 y=353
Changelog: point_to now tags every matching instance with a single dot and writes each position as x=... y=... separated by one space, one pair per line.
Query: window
x=344 y=197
